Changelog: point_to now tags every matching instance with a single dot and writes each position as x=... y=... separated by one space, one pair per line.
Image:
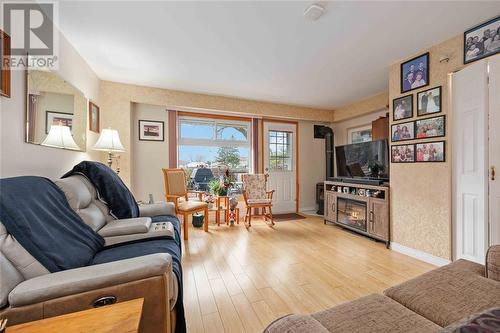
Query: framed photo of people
x=429 y=101
x=402 y=107
x=403 y=131
x=415 y=73
x=482 y=41
x=403 y=153
x=430 y=127
x=430 y=151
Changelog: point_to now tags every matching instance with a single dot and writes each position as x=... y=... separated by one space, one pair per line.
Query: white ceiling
x=262 y=50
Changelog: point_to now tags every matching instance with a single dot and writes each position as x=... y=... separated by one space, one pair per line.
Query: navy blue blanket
x=36 y=213
x=110 y=188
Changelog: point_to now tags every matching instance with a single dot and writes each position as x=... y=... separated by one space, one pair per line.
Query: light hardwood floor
x=239 y=281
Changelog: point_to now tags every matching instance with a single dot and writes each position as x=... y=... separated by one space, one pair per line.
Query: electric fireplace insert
x=351 y=213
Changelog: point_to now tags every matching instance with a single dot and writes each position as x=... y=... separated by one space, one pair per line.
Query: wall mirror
x=56 y=112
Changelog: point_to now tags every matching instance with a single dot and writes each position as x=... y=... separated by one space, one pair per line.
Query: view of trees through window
x=280 y=151
x=206 y=143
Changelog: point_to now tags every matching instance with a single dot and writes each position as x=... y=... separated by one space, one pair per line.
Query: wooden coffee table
x=122 y=317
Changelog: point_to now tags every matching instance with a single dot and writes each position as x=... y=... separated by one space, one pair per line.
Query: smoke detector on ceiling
x=313 y=12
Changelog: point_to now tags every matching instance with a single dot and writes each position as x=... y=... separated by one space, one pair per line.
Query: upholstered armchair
x=176 y=191
x=256 y=195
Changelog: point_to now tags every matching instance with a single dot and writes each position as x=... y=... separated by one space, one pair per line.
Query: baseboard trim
x=305 y=209
x=420 y=255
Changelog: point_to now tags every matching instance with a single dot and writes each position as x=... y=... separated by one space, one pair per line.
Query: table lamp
x=60 y=137
x=109 y=141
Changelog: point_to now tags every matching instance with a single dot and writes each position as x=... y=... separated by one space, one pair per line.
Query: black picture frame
x=48 y=112
x=161 y=137
x=440 y=101
x=427 y=119
x=427 y=143
x=395 y=100
x=472 y=30
x=403 y=124
x=405 y=145
x=402 y=72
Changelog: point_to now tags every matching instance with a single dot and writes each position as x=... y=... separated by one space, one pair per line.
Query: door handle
x=492 y=172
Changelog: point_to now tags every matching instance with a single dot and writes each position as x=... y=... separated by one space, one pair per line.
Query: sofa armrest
x=79 y=280
x=159 y=208
x=138 y=225
x=493 y=263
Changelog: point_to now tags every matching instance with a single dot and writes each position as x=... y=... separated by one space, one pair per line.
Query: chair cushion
x=176 y=180
x=188 y=206
x=493 y=263
x=448 y=293
x=254 y=186
x=259 y=201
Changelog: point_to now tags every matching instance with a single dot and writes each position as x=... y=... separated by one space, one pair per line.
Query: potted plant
x=221 y=186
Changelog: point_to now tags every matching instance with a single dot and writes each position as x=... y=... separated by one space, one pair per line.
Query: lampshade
x=109 y=141
x=60 y=136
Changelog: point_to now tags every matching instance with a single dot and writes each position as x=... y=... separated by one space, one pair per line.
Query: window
x=280 y=158
x=359 y=134
x=210 y=143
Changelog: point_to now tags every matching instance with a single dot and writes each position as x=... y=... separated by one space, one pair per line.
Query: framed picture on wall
x=431 y=151
x=403 y=153
x=94 y=115
x=58 y=118
x=4 y=70
x=359 y=134
x=151 y=130
x=431 y=127
x=403 y=131
x=429 y=101
x=402 y=107
x=415 y=73
x=482 y=41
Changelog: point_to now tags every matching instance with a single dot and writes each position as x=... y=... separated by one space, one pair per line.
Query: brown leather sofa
x=442 y=300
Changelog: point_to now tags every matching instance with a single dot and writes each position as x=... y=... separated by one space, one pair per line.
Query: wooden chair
x=256 y=196
x=176 y=192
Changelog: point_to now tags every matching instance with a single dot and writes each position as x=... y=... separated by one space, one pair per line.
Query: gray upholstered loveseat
x=29 y=291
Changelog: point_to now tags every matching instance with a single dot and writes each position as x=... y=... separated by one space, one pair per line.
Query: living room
x=283 y=179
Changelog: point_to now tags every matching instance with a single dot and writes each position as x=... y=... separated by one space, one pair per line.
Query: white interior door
x=494 y=149
x=470 y=165
x=280 y=152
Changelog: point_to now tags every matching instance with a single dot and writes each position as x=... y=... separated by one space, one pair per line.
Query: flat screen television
x=357 y=160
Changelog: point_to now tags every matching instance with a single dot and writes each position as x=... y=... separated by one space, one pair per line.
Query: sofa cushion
x=36 y=213
x=82 y=197
x=493 y=263
x=10 y=277
x=484 y=322
x=296 y=323
x=449 y=293
x=373 y=313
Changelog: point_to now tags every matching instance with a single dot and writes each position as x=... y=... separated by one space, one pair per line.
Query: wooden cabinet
x=366 y=207
x=331 y=206
x=378 y=218
x=380 y=128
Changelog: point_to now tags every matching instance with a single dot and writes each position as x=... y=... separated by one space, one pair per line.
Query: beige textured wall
x=116 y=100
x=368 y=105
x=148 y=157
x=421 y=192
